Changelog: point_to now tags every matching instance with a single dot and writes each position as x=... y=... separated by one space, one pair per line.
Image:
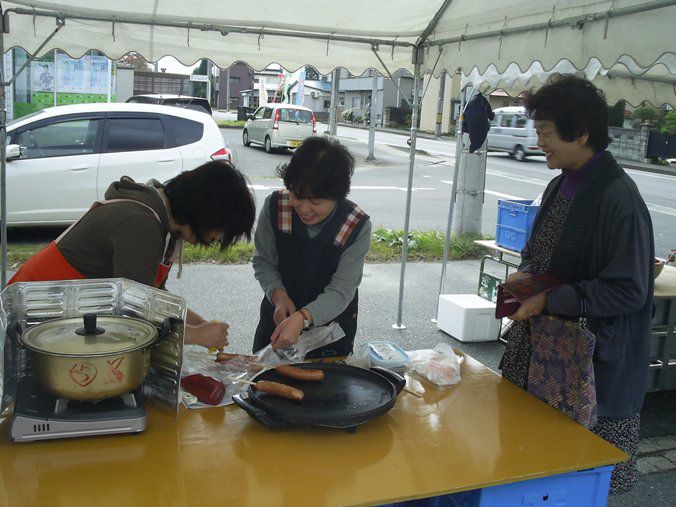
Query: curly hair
x=321 y=168
x=213 y=197
x=575 y=106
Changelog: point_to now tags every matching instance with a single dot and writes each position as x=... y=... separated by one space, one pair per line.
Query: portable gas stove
x=39 y=415
x=42 y=416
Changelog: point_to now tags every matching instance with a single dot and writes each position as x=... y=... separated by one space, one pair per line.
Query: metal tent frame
x=448 y=38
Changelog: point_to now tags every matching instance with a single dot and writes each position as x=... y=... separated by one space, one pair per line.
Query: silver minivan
x=278 y=125
x=512 y=131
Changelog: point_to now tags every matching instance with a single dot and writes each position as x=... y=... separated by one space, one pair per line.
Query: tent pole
x=3 y=166
x=409 y=191
x=449 y=223
x=394 y=81
x=3 y=135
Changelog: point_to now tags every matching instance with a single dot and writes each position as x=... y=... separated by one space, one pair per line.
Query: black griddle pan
x=348 y=396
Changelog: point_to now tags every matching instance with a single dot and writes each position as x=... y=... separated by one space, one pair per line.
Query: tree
x=136 y=61
x=669 y=123
x=616 y=114
x=199 y=89
x=645 y=113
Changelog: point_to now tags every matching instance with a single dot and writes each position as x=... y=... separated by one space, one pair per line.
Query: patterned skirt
x=623 y=433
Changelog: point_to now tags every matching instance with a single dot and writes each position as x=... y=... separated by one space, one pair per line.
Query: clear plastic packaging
x=439 y=366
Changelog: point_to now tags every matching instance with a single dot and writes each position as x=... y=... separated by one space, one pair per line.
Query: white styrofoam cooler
x=467 y=317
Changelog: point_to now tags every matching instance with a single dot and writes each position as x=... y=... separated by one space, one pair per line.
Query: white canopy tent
x=421 y=36
x=624 y=80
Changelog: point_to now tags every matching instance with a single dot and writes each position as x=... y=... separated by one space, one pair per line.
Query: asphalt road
x=380 y=186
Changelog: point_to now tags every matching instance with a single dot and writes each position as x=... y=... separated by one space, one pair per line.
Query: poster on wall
x=42 y=76
x=72 y=75
x=99 y=74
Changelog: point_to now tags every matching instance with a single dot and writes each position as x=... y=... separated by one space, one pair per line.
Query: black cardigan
x=606 y=252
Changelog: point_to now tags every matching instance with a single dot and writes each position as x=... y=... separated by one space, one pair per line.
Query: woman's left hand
x=531 y=307
x=211 y=334
x=288 y=331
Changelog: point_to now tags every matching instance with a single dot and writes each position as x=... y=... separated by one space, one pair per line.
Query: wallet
x=510 y=294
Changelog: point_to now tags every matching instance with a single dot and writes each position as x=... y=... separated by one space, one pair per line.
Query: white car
x=62 y=159
x=512 y=131
x=278 y=125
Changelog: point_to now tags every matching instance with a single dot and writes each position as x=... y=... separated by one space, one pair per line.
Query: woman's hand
x=288 y=331
x=284 y=307
x=531 y=307
x=518 y=275
x=213 y=335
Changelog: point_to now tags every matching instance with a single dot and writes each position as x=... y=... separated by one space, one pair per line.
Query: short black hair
x=213 y=197
x=321 y=168
x=575 y=106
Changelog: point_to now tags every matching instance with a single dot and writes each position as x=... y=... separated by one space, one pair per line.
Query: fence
x=629 y=144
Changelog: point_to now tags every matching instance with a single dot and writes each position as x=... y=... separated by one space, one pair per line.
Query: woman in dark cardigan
x=594 y=230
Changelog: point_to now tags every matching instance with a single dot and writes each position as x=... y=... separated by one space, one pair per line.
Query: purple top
x=572 y=179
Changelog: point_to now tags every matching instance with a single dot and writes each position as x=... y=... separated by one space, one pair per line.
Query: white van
x=512 y=131
x=278 y=125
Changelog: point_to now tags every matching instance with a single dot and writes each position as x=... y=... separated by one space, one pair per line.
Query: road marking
x=354 y=187
x=661 y=209
x=521 y=179
x=506 y=196
x=376 y=187
x=650 y=175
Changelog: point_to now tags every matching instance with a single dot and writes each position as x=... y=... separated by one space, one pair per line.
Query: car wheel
x=519 y=154
x=245 y=139
x=268 y=145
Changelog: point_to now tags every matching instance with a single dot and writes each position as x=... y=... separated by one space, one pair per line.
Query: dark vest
x=307 y=265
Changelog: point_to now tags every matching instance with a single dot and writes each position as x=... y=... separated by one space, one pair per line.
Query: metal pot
x=76 y=359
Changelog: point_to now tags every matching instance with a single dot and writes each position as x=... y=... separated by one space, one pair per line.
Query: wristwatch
x=307 y=319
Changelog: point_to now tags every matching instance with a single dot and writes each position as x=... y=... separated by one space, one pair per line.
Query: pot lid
x=90 y=335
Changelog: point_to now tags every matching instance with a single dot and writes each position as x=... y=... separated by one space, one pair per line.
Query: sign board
x=488 y=287
x=199 y=77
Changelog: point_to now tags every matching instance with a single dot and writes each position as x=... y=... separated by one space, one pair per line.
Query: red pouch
x=511 y=294
x=207 y=389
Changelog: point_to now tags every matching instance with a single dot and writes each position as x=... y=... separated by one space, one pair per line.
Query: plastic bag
x=440 y=365
x=196 y=359
x=308 y=341
x=360 y=357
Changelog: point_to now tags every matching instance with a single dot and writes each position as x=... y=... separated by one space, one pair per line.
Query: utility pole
x=372 y=116
x=335 y=94
x=209 y=81
x=227 y=88
x=440 y=103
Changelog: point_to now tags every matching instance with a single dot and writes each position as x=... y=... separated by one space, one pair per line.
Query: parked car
x=279 y=125
x=195 y=103
x=62 y=159
x=512 y=131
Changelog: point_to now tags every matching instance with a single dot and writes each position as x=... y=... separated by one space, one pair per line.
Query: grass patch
x=231 y=124
x=386 y=247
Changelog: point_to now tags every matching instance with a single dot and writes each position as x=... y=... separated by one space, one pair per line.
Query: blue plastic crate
x=515 y=223
x=586 y=488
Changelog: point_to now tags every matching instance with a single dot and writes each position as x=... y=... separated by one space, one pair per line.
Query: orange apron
x=49 y=264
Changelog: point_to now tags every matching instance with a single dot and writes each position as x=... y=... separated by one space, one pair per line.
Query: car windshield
x=295 y=115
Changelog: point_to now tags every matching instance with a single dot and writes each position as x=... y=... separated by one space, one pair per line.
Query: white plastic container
x=467 y=317
x=388 y=355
